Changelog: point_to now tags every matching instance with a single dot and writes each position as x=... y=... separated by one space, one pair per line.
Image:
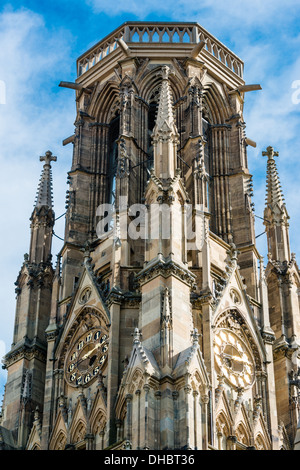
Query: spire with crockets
x=165 y=135
x=274 y=191
x=275 y=214
x=42 y=218
x=44 y=192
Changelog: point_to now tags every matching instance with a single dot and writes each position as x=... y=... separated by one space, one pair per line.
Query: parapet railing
x=164 y=33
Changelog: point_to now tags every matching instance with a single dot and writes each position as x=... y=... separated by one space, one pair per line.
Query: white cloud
x=232 y=13
x=35 y=117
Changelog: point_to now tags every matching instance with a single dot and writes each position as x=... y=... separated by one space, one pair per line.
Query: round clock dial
x=233 y=359
x=87 y=357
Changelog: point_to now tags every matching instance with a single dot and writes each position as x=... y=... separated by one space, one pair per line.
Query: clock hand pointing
x=85 y=356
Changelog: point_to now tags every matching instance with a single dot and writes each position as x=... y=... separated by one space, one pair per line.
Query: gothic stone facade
x=138 y=339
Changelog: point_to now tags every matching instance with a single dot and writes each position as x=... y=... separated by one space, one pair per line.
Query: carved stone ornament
x=235 y=297
x=86 y=348
x=236 y=352
x=233 y=359
x=85 y=295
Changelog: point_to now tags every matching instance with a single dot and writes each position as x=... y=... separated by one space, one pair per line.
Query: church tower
x=282 y=276
x=25 y=362
x=159 y=328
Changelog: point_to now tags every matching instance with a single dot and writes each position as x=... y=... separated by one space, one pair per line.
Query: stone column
x=232 y=440
x=204 y=402
x=146 y=436
x=157 y=420
x=51 y=334
x=138 y=418
x=175 y=396
x=128 y=431
x=195 y=396
x=113 y=366
x=188 y=409
x=90 y=441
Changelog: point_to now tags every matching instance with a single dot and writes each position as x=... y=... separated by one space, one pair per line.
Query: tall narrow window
x=113 y=136
x=207 y=156
x=206 y=136
x=151 y=123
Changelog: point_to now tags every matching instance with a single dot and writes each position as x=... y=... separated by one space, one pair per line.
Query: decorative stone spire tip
x=44 y=192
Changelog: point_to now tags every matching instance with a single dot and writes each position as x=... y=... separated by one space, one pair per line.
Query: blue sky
x=39 y=44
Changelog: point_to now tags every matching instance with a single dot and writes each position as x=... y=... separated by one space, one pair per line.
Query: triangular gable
x=87 y=295
x=78 y=416
x=224 y=407
x=99 y=407
x=60 y=427
x=143 y=358
x=94 y=297
x=34 y=440
x=234 y=296
x=140 y=359
x=189 y=361
x=261 y=429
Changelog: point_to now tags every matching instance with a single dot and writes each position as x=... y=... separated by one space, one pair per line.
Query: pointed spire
x=44 y=192
x=165 y=134
x=165 y=114
x=274 y=191
x=275 y=214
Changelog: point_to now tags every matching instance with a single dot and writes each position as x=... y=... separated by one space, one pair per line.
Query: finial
x=270 y=153
x=195 y=335
x=48 y=158
x=165 y=72
x=44 y=193
x=136 y=336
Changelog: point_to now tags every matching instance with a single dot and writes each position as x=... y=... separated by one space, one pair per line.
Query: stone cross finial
x=48 y=158
x=270 y=153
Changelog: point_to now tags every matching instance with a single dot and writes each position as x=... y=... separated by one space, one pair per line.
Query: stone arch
x=85 y=319
x=234 y=319
x=99 y=431
x=149 y=88
x=214 y=105
x=107 y=103
x=60 y=441
x=260 y=443
x=223 y=428
x=152 y=80
x=242 y=434
x=136 y=381
x=36 y=447
x=79 y=432
x=98 y=423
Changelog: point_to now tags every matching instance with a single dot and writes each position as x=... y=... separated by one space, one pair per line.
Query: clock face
x=233 y=359
x=86 y=357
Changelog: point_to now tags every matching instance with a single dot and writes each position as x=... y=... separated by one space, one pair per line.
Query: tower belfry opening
x=159 y=328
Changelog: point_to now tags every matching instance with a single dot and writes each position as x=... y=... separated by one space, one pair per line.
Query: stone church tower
x=159 y=327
